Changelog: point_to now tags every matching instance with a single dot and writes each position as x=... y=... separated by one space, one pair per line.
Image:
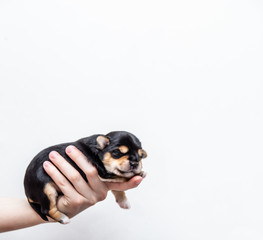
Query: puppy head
x=121 y=153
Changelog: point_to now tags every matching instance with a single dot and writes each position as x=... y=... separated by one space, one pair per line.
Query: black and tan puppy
x=117 y=157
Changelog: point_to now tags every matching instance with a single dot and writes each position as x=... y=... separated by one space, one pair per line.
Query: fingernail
x=47 y=164
x=69 y=149
x=137 y=182
x=53 y=155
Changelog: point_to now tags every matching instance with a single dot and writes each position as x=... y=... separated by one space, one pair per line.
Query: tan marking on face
x=122 y=164
x=113 y=165
x=123 y=149
x=107 y=156
x=142 y=153
x=110 y=162
x=122 y=160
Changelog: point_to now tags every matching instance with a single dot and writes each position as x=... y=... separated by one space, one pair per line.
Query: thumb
x=132 y=183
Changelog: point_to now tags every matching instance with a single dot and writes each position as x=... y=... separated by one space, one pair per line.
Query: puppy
x=117 y=157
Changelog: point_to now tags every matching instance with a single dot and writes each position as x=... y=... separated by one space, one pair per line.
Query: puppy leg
x=52 y=194
x=121 y=199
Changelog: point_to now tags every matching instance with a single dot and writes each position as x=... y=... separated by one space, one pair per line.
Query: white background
x=184 y=76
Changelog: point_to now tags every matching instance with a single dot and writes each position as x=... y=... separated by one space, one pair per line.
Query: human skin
x=78 y=194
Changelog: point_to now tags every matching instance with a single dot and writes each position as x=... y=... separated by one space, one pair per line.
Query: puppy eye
x=116 y=153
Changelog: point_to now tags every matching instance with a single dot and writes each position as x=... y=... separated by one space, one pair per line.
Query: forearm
x=17 y=214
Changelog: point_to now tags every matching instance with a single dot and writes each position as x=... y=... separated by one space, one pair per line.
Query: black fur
x=36 y=178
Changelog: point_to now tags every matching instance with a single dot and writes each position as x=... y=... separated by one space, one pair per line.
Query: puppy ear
x=102 y=142
x=142 y=153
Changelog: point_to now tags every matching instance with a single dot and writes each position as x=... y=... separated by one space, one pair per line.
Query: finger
x=70 y=173
x=63 y=184
x=91 y=172
x=72 y=202
x=132 y=183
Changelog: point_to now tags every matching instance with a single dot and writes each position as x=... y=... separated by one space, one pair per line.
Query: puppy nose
x=133 y=158
x=133 y=164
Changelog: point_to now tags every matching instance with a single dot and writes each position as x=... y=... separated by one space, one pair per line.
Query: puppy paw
x=124 y=204
x=143 y=174
x=64 y=219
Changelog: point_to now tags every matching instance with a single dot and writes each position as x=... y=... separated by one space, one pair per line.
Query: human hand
x=78 y=194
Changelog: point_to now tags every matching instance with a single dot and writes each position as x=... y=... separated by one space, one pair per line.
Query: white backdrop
x=184 y=76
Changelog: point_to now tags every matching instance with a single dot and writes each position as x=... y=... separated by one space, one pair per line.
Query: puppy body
x=116 y=156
